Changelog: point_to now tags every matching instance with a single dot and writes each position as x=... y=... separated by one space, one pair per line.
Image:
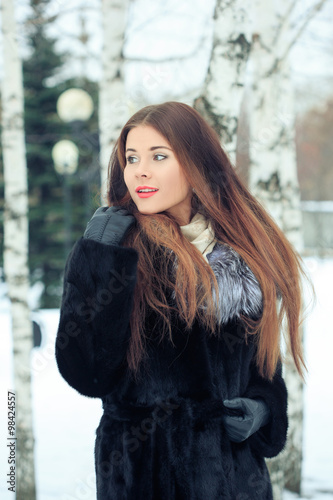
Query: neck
x=184 y=218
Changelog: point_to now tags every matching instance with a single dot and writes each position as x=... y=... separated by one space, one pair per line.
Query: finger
x=119 y=211
x=232 y=403
x=232 y=420
x=100 y=210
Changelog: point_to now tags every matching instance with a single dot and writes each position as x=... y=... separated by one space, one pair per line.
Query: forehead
x=145 y=136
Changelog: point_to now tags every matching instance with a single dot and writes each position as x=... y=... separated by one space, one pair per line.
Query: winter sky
x=168 y=43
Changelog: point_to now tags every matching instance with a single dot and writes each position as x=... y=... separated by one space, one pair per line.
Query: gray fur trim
x=239 y=290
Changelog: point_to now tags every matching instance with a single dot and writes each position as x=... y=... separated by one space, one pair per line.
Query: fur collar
x=239 y=290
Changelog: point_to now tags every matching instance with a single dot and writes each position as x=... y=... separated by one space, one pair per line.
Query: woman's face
x=151 y=164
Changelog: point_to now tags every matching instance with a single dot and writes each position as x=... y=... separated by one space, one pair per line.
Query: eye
x=131 y=159
x=159 y=157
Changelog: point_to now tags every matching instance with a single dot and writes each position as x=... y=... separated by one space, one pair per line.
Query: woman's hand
x=251 y=415
x=109 y=225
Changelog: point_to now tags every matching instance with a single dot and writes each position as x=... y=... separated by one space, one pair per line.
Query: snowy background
x=65 y=422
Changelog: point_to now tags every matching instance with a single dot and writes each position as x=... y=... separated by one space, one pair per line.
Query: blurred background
x=88 y=66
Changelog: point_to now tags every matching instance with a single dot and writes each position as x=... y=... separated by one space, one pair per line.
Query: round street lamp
x=74 y=106
x=65 y=155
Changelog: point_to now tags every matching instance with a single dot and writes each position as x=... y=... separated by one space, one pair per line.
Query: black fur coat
x=163 y=438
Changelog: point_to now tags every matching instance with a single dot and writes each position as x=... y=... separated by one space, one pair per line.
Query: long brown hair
x=238 y=220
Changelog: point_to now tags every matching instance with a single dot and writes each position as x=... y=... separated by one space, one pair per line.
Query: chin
x=147 y=212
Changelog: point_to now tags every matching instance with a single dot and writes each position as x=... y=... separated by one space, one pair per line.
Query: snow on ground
x=65 y=422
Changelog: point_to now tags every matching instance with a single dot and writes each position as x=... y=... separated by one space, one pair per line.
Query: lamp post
x=65 y=155
x=74 y=106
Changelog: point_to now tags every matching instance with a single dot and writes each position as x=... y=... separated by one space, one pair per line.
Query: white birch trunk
x=16 y=249
x=113 y=105
x=223 y=91
x=273 y=180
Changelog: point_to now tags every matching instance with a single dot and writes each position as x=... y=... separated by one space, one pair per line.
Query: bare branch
x=193 y=53
x=157 y=15
x=50 y=19
x=310 y=15
x=285 y=20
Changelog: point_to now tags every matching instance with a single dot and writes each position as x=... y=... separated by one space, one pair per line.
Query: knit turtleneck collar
x=200 y=233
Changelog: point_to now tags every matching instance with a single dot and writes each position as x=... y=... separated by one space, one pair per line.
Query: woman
x=171 y=313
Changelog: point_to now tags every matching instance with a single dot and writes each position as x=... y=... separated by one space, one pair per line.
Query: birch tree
x=273 y=171
x=273 y=180
x=223 y=90
x=16 y=248
x=113 y=107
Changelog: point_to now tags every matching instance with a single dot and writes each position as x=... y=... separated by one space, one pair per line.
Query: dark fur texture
x=162 y=437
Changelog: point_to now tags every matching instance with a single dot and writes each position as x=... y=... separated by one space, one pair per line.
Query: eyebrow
x=151 y=149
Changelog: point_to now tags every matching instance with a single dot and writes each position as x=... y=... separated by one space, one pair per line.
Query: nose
x=142 y=170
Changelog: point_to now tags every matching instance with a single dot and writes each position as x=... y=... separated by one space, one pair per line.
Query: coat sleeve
x=94 y=331
x=270 y=439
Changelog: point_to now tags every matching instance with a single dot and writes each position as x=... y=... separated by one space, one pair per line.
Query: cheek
x=176 y=181
x=183 y=184
x=126 y=178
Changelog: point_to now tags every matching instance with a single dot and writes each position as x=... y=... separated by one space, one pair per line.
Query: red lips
x=144 y=187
